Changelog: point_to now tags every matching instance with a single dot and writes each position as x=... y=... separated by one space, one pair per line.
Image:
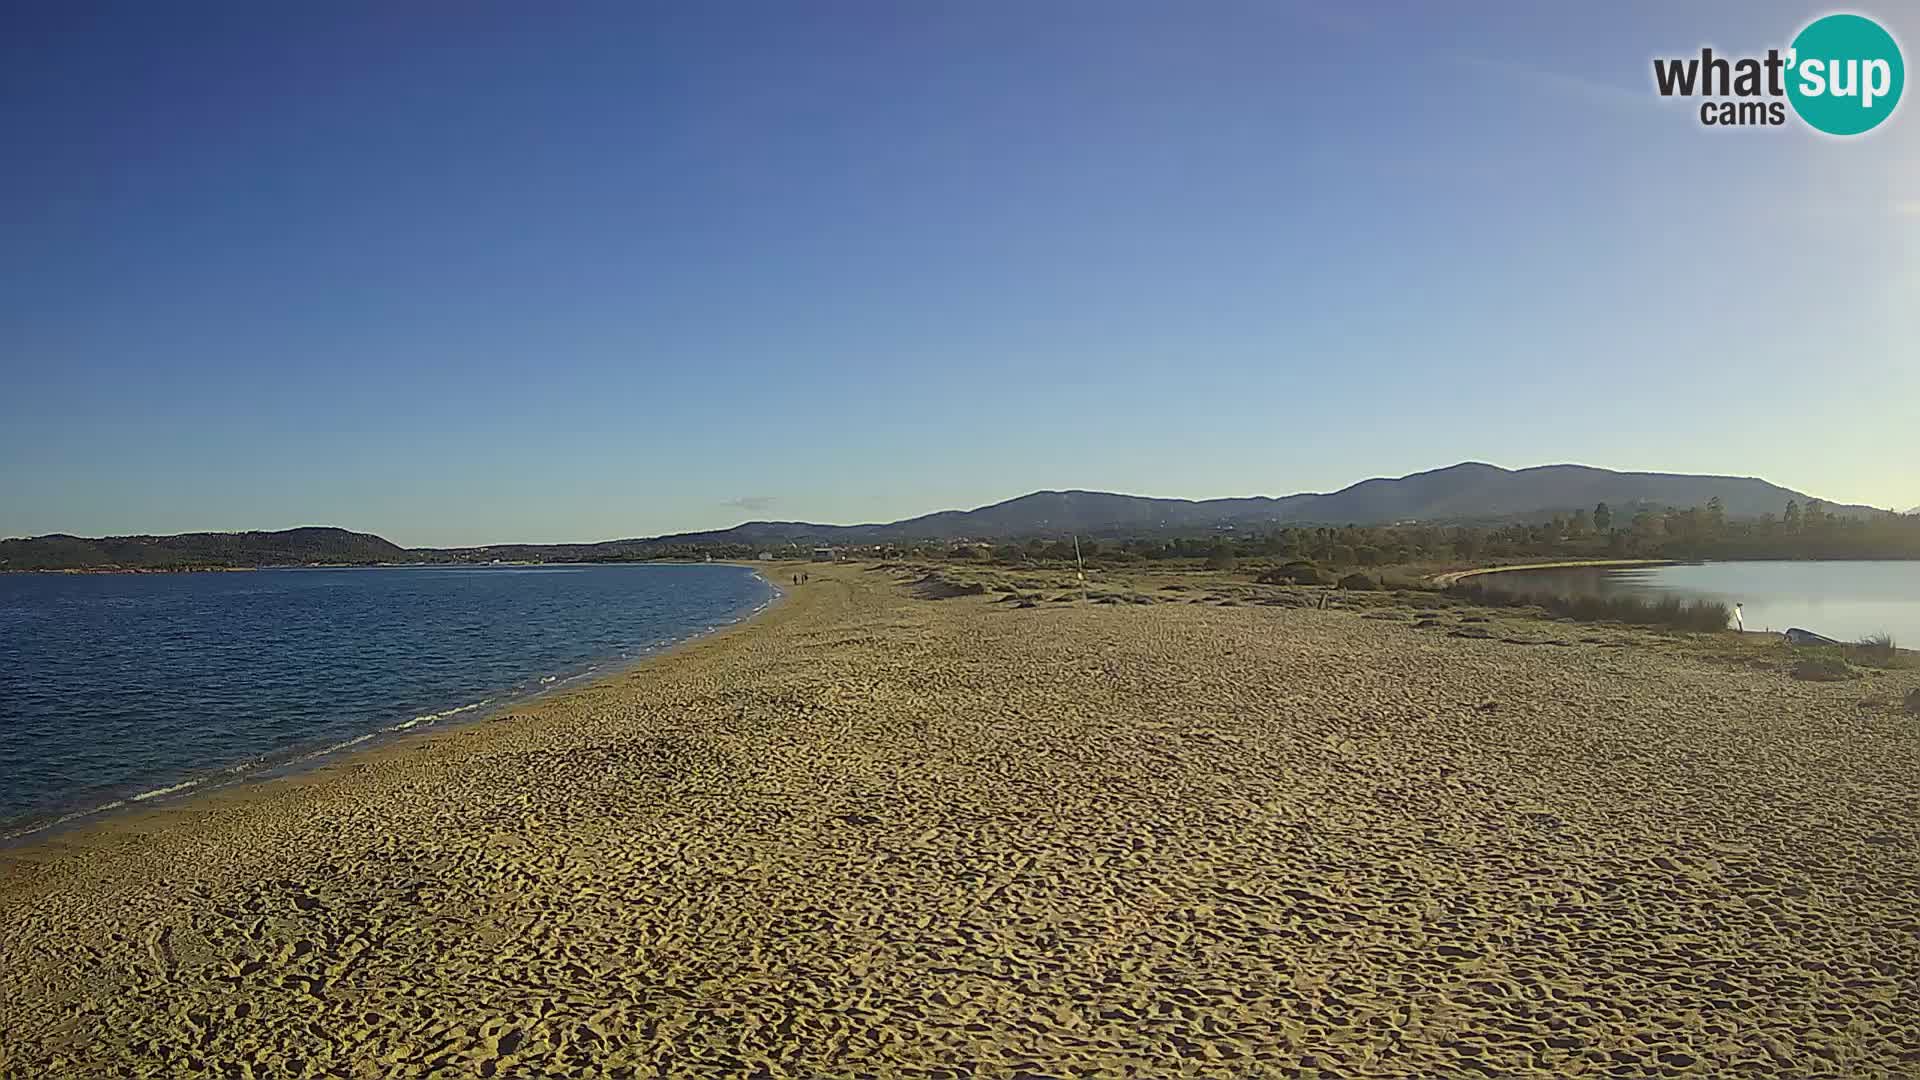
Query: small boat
x=1797 y=636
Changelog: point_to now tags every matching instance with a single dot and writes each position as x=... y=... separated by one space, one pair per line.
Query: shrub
x=1822 y=669
x=1877 y=650
x=1363 y=582
x=1296 y=574
x=941 y=587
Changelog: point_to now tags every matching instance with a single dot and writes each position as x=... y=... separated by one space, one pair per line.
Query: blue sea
x=120 y=689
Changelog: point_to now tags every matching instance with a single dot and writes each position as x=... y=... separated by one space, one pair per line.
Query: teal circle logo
x=1845 y=74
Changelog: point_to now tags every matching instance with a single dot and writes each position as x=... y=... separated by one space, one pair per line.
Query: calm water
x=1843 y=600
x=119 y=687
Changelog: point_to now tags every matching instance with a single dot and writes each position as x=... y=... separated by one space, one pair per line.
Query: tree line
x=1799 y=531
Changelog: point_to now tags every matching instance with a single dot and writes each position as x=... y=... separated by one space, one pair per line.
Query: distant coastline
x=1576 y=502
x=501 y=563
x=138 y=570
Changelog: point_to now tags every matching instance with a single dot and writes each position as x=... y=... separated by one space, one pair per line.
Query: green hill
x=288 y=547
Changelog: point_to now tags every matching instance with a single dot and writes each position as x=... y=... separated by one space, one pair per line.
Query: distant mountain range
x=1469 y=492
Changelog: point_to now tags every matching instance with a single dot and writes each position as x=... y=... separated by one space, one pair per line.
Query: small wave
x=168 y=790
x=432 y=717
x=323 y=751
x=75 y=815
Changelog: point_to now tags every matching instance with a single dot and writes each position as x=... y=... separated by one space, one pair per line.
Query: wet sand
x=875 y=834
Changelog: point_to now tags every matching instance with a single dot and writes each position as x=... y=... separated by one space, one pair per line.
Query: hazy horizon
x=612 y=271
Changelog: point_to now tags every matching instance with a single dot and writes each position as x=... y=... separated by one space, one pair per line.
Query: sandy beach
x=876 y=833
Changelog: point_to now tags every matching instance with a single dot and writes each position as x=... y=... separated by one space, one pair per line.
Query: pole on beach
x=1079 y=568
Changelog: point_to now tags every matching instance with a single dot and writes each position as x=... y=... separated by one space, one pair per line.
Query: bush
x=1296 y=573
x=1362 y=582
x=1822 y=669
x=1878 y=650
x=941 y=587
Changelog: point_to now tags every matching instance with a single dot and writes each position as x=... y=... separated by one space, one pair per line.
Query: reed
x=1670 y=612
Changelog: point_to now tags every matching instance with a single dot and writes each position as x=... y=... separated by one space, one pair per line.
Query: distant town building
x=826 y=554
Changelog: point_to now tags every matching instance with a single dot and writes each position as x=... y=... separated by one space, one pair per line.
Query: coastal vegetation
x=1799 y=530
x=1876 y=652
x=1670 y=612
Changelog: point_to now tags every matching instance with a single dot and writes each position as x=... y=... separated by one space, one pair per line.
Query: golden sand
x=872 y=834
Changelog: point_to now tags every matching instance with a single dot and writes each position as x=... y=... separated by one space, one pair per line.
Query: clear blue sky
x=460 y=273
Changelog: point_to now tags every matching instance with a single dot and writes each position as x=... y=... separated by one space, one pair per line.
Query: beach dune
x=874 y=834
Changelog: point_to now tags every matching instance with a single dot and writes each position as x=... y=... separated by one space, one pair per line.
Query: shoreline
x=29 y=830
x=504 y=564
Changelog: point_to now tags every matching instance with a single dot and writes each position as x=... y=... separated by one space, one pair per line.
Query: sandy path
x=875 y=835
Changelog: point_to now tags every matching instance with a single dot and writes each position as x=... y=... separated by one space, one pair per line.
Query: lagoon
x=1843 y=599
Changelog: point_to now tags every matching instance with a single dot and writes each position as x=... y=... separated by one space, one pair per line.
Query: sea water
x=121 y=689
